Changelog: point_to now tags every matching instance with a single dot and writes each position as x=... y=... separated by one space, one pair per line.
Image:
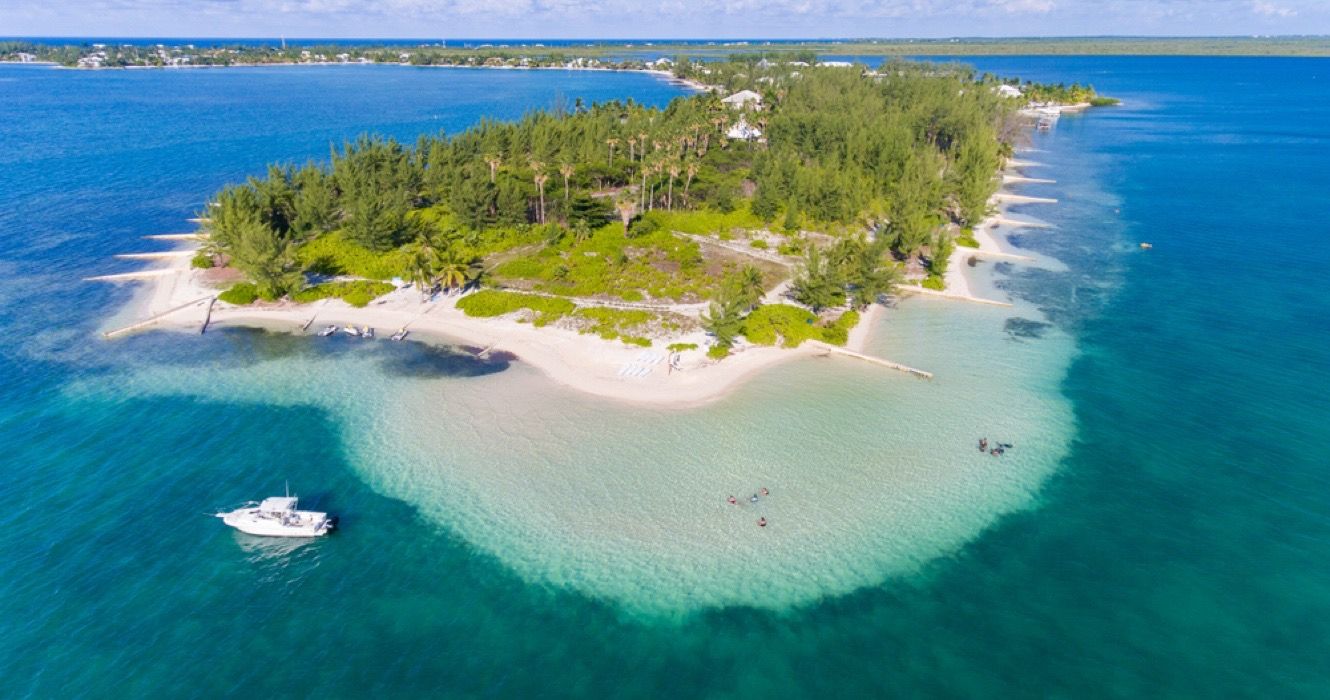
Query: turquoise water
x=1160 y=529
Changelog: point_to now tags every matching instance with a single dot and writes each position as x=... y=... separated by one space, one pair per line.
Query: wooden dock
x=978 y=252
x=177 y=237
x=870 y=359
x=1021 y=180
x=158 y=255
x=153 y=320
x=1005 y=198
x=912 y=289
x=132 y=276
x=1018 y=223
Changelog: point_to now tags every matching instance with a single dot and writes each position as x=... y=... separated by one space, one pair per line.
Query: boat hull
x=250 y=523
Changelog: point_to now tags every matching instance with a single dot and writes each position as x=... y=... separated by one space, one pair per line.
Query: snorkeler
x=761 y=522
x=733 y=501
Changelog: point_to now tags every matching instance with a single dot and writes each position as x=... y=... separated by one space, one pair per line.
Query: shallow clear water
x=1160 y=527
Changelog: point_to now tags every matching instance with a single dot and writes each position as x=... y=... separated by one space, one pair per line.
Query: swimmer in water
x=733 y=501
x=761 y=522
x=753 y=499
x=765 y=492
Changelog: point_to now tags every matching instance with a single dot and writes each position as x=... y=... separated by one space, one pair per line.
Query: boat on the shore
x=327 y=331
x=351 y=330
x=400 y=334
x=278 y=517
x=366 y=332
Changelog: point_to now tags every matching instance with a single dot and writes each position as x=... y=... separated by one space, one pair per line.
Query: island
x=618 y=246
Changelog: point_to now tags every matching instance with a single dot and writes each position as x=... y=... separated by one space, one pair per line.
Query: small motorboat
x=278 y=517
x=327 y=331
x=400 y=334
x=351 y=331
x=366 y=332
x=1146 y=246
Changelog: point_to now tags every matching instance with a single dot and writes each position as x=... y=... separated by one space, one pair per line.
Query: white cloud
x=1269 y=9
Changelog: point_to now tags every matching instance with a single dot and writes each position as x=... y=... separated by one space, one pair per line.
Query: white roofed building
x=744 y=99
x=1008 y=91
x=743 y=131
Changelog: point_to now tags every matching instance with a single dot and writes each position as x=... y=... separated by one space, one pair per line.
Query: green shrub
x=1104 y=101
x=759 y=244
x=614 y=323
x=718 y=352
x=201 y=260
x=358 y=294
x=636 y=340
x=490 y=302
x=240 y=294
x=702 y=222
x=681 y=347
x=792 y=325
x=838 y=331
x=966 y=239
x=332 y=254
x=933 y=282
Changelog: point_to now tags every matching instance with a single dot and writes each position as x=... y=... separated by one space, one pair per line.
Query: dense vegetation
x=850 y=175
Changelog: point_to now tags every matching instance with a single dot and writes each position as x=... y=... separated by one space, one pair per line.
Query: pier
x=914 y=289
x=832 y=349
x=177 y=237
x=1004 y=198
x=154 y=319
x=132 y=276
x=1021 y=180
x=159 y=255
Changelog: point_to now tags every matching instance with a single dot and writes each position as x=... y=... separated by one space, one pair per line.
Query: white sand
x=583 y=362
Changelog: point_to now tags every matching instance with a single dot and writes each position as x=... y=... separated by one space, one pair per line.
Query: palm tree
x=422 y=264
x=581 y=231
x=611 y=143
x=632 y=143
x=494 y=162
x=627 y=209
x=566 y=170
x=724 y=320
x=458 y=270
x=674 y=170
x=751 y=285
x=691 y=172
x=540 y=179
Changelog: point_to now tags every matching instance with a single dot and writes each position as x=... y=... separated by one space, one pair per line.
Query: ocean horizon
x=1159 y=527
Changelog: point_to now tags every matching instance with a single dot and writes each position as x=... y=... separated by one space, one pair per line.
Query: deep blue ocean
x=1181 y=550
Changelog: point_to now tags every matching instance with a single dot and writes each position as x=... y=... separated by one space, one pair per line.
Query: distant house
x=743 y=100
x=743 y=131
x=661 y=63
x=26 y=57
x=835 y=64
x=1008 y=91
x=764 y=64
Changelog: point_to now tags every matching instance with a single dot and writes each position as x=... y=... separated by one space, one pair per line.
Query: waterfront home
x=743 y=131
x=743 y=100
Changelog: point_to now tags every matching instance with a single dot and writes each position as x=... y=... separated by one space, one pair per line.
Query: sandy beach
x=586 y=363
x=178 y=298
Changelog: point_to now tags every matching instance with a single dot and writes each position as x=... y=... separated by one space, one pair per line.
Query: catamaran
x=278 y=517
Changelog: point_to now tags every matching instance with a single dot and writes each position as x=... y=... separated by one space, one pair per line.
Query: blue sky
x=435 y=19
